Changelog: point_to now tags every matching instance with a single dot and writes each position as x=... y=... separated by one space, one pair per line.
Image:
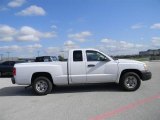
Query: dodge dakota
x=84 y=66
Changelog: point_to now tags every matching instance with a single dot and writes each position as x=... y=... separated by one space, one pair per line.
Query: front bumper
x=146 y=75
x=13 y=80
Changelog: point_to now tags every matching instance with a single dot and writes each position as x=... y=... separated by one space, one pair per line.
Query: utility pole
x=8 y=54
x=1 y=56
x=38 y=53
x=62 y=52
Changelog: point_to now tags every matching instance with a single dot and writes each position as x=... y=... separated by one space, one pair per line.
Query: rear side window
x=77 y=55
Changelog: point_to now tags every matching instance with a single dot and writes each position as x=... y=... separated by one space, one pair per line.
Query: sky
x=49 y=27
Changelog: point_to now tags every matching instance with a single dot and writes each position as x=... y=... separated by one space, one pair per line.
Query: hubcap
x=131 y=82
x=41 y=86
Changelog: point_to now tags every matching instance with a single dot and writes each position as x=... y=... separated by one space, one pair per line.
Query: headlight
x=145 y=66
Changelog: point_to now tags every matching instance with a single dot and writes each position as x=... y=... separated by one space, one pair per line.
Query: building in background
x=150 y=52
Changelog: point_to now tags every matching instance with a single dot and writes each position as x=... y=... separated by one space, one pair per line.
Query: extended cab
x=83 y=66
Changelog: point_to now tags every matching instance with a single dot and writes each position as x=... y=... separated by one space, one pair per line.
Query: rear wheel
x=42 y=86
x=0 y=74
x=130 y=81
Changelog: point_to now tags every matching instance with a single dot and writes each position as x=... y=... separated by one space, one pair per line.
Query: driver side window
x=95 y=56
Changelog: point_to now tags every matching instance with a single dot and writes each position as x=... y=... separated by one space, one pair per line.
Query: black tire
x=42 y=86
x=0 y=74
x=130 y=81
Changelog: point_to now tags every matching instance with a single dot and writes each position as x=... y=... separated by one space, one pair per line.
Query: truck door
x=78 y=67
x=100 y=68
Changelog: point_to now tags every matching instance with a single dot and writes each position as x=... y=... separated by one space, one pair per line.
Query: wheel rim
x=41 y=86
x=131 y=82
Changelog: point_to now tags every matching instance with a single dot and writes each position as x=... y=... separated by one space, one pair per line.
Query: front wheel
x=42 y=86
x=130 y=81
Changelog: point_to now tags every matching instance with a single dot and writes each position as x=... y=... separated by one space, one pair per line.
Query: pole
x=38 y=53
x=1 y=57
x=62 y=51
x=8 y=54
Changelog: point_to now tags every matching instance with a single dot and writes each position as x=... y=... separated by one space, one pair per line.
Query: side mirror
x=104 y=59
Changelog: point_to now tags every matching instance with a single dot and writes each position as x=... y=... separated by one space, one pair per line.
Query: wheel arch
x=41 y=74
x=138 y=72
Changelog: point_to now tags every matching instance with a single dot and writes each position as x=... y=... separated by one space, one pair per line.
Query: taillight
x=14 y=71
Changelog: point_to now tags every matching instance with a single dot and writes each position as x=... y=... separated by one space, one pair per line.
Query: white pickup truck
x=83 y=66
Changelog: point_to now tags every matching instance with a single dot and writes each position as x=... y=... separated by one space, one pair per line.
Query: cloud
x=69 y=45
x=3 y=8
x=7 y=33
x=32 y=48
x=52 y=51
x=81 y=20
x=28 y=38
x=137 y=26
x=156 y=41
x=16 y=48
x=16 y=3
x=6 y=39
x=61 y=50
x=155 y=26
x=53 y=26
x=118 y=44
x=21 y=51
x=25 y=33
x=127 y=45
x=32 y=11
x=114 y=47
x=70 y=30
x=106 y=40
x=10 y=48
x=5 y=29
x=81 y=37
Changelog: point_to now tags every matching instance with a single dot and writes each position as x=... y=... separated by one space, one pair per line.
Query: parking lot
x=91 y=102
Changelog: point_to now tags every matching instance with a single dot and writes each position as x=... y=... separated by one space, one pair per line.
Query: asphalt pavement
x=90 y=102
